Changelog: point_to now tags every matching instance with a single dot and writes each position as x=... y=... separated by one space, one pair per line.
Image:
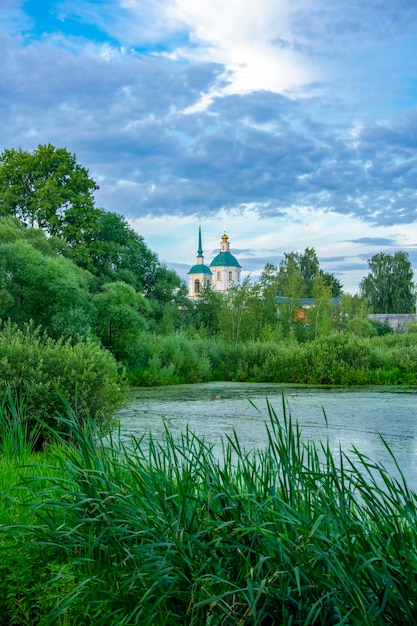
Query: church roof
x=200 y=268
x=225 y=259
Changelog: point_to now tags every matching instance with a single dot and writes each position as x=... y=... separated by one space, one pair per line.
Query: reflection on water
x=355 y=417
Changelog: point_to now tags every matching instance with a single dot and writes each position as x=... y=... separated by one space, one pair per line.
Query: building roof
x=225 y=259
x=200 y=268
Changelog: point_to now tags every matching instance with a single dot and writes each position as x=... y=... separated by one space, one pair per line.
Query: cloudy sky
x=289 y=123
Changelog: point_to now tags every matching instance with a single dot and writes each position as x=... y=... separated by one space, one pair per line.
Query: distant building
x=222 y=274
x=199 y=274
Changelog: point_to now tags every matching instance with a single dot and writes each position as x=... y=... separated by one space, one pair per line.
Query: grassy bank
x=168 y=534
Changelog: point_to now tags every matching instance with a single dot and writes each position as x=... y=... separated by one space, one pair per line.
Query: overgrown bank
x=293 y=535
x=338 y=359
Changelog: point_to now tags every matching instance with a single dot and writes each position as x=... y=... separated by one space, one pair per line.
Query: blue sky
x=289 y=123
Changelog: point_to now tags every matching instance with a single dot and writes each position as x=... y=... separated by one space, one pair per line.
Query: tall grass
x=166 y=533
x=18 y=433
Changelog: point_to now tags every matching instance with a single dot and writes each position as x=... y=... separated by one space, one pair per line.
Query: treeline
x=77 y=282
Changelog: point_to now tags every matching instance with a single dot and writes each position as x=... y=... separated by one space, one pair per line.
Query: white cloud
x=335 y=238
x=254 y=41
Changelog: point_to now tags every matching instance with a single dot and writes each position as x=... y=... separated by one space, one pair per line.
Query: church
x=222 y=273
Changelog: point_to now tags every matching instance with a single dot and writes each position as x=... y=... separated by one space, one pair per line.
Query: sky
x=286 y=123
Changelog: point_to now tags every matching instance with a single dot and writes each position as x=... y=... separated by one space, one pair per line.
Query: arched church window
x=219 y=276
x=196 y=286
x=230 y=275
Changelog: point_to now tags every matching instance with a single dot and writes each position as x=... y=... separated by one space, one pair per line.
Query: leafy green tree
x=389 y=286
x=330 y=280
x=309 y=268
x=11 y=229
x=290 y=279
x=349 y=308
x=241 y=318
x=268 y=283
x=120 y=318
x=48 y=189
x=206 y=312
x=297 y=272
x=320 y=314
x=49 y=290
x=114 y=252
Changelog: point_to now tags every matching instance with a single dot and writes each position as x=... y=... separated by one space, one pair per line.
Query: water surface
x=354 y=417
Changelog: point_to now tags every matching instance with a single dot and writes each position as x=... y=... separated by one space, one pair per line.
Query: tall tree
x=50 y=290
x=320 y=314
x=206 y=312
x=47 y=189
x=120 y=318
x=389 y=286
x=241 y=317
x=297 y=273
x=113 y=251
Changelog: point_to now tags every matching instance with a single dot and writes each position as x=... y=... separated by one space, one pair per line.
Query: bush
x=42 y=372
x=381 y=328
x=171 y=359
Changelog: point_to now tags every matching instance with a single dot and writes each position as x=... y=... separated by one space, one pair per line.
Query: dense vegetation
x=80 y=293
x=165 y=533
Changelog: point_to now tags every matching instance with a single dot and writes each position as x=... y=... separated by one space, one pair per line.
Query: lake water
x=355 y=417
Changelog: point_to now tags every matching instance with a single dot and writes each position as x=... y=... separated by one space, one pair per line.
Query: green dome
x=200 y=269
x=224 y=259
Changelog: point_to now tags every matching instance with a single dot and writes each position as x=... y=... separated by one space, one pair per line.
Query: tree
x=205 y=313
x=50 y=290
x=320 y=314
x=351 y=308
x=334 y=283
x=49 y=190
x=241 y=317
x=389 y=287
x=114 y=252
x=120 y=318
x=297 y=273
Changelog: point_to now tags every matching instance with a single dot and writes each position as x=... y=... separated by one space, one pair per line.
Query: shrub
x=43 y=371
x=381 y=328
x=172 y=359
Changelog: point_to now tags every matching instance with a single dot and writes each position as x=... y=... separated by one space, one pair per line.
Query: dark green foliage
x=48 y=189
x=337 y=359
x=41 y=371
x=49 y=290
x=382 y=328
x=389 y=286
x=120 y=319
x=204 y=314
x=165 y=533
x=113 y=252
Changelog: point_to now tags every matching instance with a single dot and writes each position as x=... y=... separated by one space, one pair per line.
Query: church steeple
x=199 y=275
x=200 y=257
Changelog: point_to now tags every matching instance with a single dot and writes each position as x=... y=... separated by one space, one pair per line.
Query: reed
x=18 y=434
x=166 y=533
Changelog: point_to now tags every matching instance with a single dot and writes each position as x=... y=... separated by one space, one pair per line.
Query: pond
x=354 y=416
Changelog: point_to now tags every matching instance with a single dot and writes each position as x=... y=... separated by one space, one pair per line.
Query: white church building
x=222 y=273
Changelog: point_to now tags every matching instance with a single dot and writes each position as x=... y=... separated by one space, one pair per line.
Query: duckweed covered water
x=354 y=417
